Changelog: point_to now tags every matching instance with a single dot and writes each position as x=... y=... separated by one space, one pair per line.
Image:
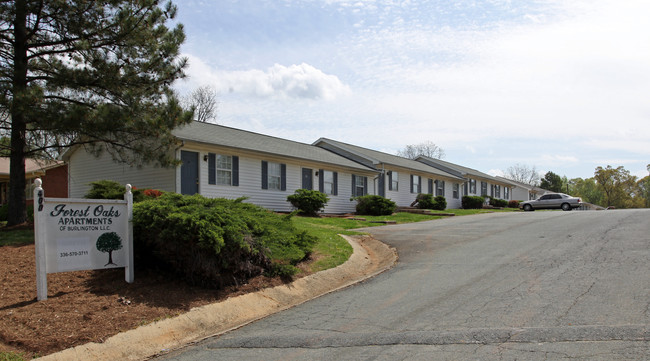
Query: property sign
x=81 y=234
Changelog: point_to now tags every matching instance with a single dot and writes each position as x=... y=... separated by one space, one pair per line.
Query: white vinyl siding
x=84 y=168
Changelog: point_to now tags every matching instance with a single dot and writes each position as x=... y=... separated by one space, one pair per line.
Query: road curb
x=369 y=258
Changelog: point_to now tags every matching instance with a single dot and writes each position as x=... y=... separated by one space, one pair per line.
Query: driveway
x=526 y=286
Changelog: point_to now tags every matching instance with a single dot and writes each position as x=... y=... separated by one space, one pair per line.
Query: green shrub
x=496 y=202
x=472 y=202
x=105 y=189
x=513 y=204
x=108 y=189
x=216 y=242
x=374 y=205
x=424 y=201
x=4 y=212
x=308 y=202
x=439 y=203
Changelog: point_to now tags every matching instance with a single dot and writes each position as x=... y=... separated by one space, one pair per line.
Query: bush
x=513 y=204
x=4 y=212
x=424 y=201
x=439 y=203
x=373 y=205
x=308 y=202
x=105 y=189
x=496 y=202
x=472 y=202
x=108 y=189
x=216 y=242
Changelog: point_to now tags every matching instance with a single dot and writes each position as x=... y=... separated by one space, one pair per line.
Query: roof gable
x=376 y=158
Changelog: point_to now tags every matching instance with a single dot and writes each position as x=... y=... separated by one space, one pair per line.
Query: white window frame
x=328 y=182
x=274 y=176
x=394 y=185
x=224 y=169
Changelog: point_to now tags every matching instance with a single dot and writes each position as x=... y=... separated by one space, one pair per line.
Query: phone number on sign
x=73 y=254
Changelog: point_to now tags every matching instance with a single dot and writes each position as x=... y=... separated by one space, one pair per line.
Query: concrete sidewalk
x=370 y=257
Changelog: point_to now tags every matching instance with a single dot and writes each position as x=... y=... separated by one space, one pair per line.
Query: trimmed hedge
x=513 y=204
x=108 y=189
x=496 y=202
x=308 y=202
x=373 y=205
x=472 y=202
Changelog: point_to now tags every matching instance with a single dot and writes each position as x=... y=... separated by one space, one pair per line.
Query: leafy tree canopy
x=96 y=73
x=551 y=182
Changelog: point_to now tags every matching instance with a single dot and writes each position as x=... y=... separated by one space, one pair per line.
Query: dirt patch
x=90 y=306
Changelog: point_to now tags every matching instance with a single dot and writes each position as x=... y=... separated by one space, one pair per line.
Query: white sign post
x=81 y=234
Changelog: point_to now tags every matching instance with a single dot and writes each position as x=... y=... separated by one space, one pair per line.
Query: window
x=472 y=186
x=223 y=169
x=456 y=191
x=440 y=188
x=274 y=176
x=359 y=186
x=497 y=191
x=484 y=189
x=506 y=193
x=393 y=181
x=415 y=183
x=328 y=182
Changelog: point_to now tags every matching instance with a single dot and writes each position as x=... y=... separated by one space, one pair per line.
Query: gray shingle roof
x=466 y=172
x=377 y=157
x=213 y=134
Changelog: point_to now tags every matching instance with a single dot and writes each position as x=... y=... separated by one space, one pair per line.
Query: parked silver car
x=552 y=201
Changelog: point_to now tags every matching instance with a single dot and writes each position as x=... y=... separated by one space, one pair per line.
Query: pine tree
x=96 y=73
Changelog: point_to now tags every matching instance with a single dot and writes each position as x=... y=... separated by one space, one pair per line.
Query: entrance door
x=189 y=172
x=307 y=180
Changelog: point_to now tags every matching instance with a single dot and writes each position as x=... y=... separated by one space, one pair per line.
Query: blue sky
x=560 y=85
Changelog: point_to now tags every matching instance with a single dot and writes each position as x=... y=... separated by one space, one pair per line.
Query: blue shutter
x=335 y=191
x=235 y=170
x=265 y=175
x=283 y=177
x=354 y=185
x=212 y=168
x=419 y=184
x=365 y=186
x=390 y=180
x=430 y=185
x=412 y=183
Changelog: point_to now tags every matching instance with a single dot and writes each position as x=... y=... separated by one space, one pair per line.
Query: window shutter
x=321 y=181
x=235 y=170
x=365 y=185
x=265 y=175
x=465 y=191
x=283 y=175
x=412 y=183
x=419 y=184
x=390 y=180
x=354 y=185
x=335 y=192
x=443 y=188
x=430 y=185
x=212 y=168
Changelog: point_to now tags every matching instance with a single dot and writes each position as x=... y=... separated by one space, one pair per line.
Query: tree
x=617 y=185
x=107 y=243
x=587 y=190
x=427 y=149
x=523 y=174
x=551 y=182
x=203 y=101
x=95 y=73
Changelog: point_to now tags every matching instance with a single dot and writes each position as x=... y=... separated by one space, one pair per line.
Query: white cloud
x=287 y=82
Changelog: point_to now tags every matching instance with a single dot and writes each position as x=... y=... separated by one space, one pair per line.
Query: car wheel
x=566 y=207
x=528 y=207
